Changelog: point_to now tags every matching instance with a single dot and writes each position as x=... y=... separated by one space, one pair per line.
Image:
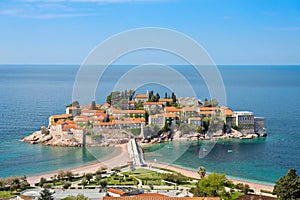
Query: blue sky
x=232 y=31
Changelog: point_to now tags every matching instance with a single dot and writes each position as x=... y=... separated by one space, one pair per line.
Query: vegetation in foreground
x=12 y=186
x=212 y=185
x=288 y=186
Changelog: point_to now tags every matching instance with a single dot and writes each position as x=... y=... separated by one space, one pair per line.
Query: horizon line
x=69 y=64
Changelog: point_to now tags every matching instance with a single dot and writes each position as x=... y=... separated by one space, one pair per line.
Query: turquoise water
x=30 y=94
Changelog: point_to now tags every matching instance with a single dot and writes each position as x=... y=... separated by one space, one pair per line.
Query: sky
x=233 y=32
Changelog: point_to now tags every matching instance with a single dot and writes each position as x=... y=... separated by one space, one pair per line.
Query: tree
x=54 y=179
x=117 y=169
x=67 y=184
x=243 y=188
x=42 y=181
x=78 y=197
x=206 y=103
x=201 y=171
x=88 y=176
x=60 y=175
x=108 y=98
x=206 y=123
x=24 y=183
x=93 y=105
x=214 y=102
x=45 y=194
x=2 y=183
x=212 y=185
x=288 y=186
x=139 y=105
x=84 y=182
x=74 y=104
x=103 y=183
x=69 y=175
x=173 y=97
x=47 y=185
x=98 y=178
x=15 y=184
x=99 y=172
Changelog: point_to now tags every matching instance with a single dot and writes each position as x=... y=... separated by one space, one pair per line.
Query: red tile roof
x=172 y=115
x=112 y=190
x=209 y=108
x=205 y=112
x=63 y=116
x=228 y=111
x=115 y=111
x=195 y=118
x=92 y=111
x=172 y=109
x=103 y=123
x=165 y=100
x=141 y=96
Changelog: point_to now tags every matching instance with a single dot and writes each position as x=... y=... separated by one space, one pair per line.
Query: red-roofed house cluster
x=146 y=109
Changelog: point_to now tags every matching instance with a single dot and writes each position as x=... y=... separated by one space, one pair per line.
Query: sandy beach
x=123 y=158
x=118 y=160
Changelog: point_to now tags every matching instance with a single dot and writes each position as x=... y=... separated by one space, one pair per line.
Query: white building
x=245 y=121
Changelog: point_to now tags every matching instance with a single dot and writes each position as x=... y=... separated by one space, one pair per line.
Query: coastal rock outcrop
x=108 y=137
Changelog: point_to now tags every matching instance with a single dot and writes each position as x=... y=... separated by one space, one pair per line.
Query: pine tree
x=93 y=105
x=288 y=186
x=45 y=194
x=173 y=97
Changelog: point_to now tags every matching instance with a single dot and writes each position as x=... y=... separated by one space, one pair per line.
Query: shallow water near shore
x=239 y=159
x=31 y=93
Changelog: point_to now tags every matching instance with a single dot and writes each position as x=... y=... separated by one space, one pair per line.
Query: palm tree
x=201 y=171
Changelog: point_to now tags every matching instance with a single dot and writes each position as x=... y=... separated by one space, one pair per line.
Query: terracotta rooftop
x=141 y=96
x=209 y=108
x=115 y=111
x=172 y=109
x=170 y=115
x=228 y=112
x=92 y=111
x=125 y=121
x=195 y=118
x=103 y=123
x=205 y=112
x=63 y=116
x=165 y=100
x=112 y=190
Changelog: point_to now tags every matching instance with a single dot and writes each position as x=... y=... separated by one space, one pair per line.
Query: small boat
x=229 y=150
x=204 y=150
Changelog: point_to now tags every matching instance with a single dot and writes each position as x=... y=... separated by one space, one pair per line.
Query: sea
x=29 y=94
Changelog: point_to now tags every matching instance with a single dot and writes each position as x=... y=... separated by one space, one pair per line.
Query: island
x=147 y=117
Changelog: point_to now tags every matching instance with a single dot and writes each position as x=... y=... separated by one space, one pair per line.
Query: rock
x=177 y=134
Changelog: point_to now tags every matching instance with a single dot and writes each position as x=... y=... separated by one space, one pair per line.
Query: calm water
x=30 y=94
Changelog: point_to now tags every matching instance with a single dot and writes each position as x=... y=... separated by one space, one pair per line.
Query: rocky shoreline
x=43 y=137
x=39 y=138
x=179 y=136
x=104 y=138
